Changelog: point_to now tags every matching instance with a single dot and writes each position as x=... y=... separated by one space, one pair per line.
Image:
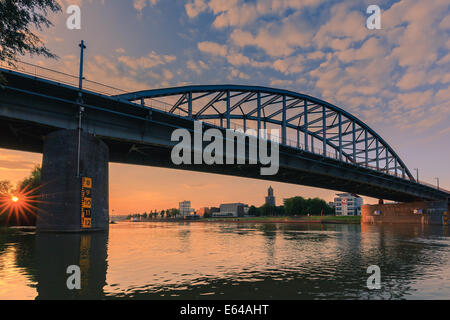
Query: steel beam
x=324 y=130
x=283 y=128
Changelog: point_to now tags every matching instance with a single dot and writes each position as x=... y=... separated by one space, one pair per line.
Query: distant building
x=348 y=204
x=212 y=210
x=231 y=210
x=202 y=211
x=185 y=208
x=270 y=199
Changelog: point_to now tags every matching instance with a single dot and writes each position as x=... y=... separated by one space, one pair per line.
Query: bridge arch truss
x=305 y=122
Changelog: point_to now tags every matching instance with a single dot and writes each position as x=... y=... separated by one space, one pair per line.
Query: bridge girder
x=294 y=114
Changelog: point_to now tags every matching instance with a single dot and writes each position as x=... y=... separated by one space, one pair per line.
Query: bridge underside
x=30 y=110
x=306 y=169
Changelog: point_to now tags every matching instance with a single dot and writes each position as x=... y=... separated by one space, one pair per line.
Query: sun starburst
x=20 y=204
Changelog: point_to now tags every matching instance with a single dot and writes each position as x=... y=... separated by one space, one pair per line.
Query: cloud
x=231 y=55
x=238 y=74
x=168 y=75
x=149 y=61
x=212 y=48
x=290 y=65
x=276 y=40
x=345 y=24
x=445 y=23
x=370 y=49
x=239 y=13
x=17 y=161
x=197 y=67
x=281 y=83
x=16 y=165
x=139 y=5
x=194 y=8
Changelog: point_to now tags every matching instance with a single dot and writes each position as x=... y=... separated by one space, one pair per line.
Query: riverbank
x=272 y=219
x=292 y=219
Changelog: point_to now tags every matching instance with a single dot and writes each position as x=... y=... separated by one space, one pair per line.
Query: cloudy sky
x=395 y=79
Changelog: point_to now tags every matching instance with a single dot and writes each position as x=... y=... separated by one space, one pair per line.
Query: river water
x=157 y=260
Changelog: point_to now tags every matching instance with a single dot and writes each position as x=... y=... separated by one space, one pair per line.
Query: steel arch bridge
x=321 y=145
x=305 y=122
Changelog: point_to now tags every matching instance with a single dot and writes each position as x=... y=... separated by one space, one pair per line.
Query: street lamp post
x=80 y=77
x=437 y=179
x=80 y=100
x=417 y=174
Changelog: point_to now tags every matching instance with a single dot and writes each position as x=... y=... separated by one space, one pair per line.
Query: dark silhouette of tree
x=315 y=206
x=33 y=182
x=301 y=206
x=17 y=19
x=253 y=211
x=295 y=206
x=5 y=186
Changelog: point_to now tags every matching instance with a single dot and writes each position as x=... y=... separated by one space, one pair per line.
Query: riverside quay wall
x=423 y=212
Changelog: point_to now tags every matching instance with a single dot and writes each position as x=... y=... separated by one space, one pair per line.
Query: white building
x=348 y=204
x=185 y=208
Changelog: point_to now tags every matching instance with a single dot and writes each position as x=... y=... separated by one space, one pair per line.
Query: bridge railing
x=96 y=87
x=434 y=186
x=60 y=77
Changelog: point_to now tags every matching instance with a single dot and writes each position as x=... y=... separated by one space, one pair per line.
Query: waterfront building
x=231 y=210
x=270 y=199
x=348 y=204
x=185 y=208
x=212 y=210
x=202 y=211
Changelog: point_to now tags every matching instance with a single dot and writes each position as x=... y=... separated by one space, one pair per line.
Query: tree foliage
x=33 y=182
x=301 y=206
x=155 y=214
x=19 y=22
x=295 y=205
x=5 y=187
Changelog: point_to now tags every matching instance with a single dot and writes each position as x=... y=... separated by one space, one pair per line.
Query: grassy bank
x=293 y=219
x=272 y=219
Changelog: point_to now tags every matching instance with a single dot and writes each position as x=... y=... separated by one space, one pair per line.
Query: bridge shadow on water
x=335 y=271
x=47 y=256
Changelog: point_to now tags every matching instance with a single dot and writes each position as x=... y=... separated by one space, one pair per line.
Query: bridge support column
x=72 y=203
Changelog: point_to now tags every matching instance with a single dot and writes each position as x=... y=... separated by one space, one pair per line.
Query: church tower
x=270 y=199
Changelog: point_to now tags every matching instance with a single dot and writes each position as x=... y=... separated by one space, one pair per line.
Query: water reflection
x=44 y=259
x=229 y=261
x=55 y=252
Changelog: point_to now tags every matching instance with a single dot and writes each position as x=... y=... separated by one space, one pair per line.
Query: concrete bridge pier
x=72 y=202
